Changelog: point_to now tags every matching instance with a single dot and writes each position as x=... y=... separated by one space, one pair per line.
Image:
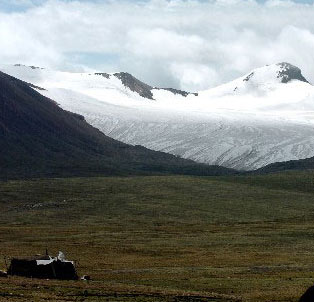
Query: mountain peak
x=135 y=85
x=289 y=72
x=145 y=90
x=281 y=72
x=264 y=80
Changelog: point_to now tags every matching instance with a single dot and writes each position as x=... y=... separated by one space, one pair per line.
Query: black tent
x=43 y=267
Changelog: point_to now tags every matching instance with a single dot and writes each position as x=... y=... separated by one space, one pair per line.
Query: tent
x=43 y=267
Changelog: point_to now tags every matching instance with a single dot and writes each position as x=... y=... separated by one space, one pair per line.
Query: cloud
x=186 y=44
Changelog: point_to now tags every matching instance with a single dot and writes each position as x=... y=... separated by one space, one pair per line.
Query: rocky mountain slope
x=266 y=116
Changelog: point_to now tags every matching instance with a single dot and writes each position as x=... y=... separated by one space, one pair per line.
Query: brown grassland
x=167 y=238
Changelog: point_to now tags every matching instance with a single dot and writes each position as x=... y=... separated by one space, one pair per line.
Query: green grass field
x=248 y=238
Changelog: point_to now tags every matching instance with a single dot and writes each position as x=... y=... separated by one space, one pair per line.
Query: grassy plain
x=244 y=238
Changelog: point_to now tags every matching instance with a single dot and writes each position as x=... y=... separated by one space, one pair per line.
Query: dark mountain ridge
x=291 y=165
x=143 y=89
x=39 y=139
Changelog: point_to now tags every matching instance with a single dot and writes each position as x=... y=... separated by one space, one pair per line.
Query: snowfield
x=263 y=117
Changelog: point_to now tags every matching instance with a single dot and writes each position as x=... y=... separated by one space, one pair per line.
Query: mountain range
x=40 y=139
x=264 y=117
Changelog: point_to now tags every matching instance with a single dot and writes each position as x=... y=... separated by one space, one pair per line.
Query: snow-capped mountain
x=263 y=117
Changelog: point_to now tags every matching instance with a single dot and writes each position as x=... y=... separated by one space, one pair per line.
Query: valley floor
x=163 y=238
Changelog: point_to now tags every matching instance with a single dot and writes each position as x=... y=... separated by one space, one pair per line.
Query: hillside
x=292 y=165
x=39 y=139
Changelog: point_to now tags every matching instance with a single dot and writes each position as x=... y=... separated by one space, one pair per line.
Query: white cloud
x=187 y=44
x=194 y=75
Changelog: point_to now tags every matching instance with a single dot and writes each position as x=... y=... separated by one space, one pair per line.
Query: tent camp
x=44 y=267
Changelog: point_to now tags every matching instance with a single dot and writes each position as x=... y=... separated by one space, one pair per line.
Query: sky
x=186 y=44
